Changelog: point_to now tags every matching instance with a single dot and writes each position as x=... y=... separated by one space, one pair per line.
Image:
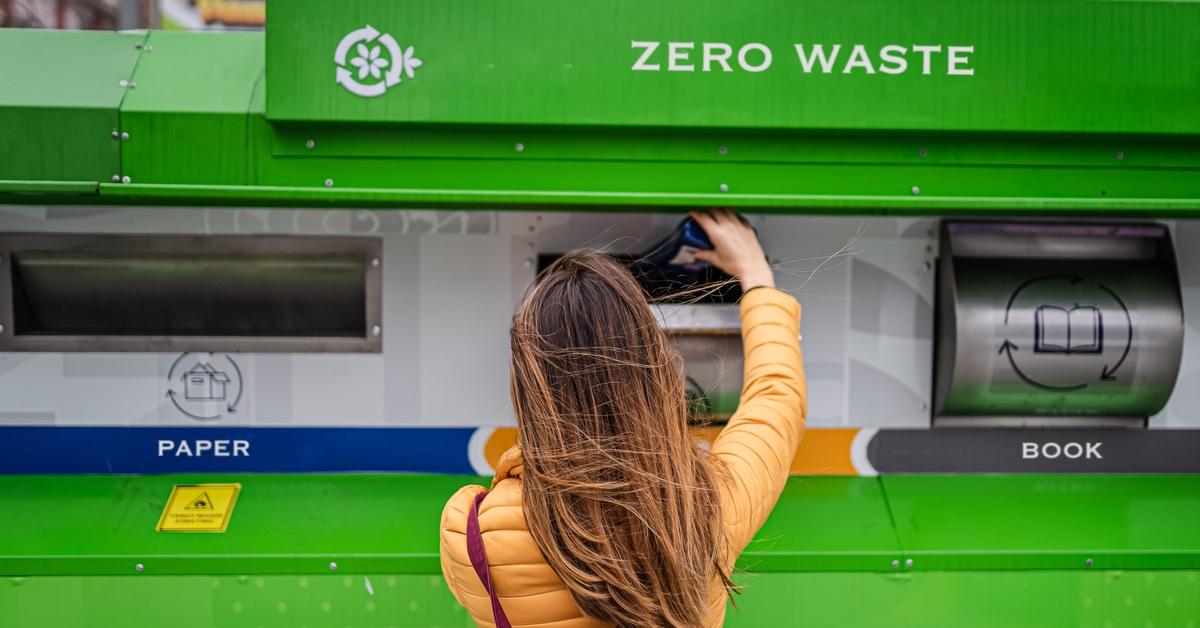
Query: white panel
x=466 y=305
x=452 y=280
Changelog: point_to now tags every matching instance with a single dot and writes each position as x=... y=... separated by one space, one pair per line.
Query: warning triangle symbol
x=202 y=502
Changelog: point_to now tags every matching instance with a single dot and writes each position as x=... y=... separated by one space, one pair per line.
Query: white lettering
x=859 y=59
x=954 y=60
x=766 y=54
x=710 y=55
x=197 y=448
x=894 y=55
x=679 y=51
x=925 y=59
x=649 y=47
x=814 y=58
x=1072 y=450
x=818 y=56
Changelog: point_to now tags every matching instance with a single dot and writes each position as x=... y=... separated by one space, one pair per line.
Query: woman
x=607 y=512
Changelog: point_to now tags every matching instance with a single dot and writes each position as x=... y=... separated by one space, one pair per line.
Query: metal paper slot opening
x=1055 y=324
x=708 y=339
x=189 y=293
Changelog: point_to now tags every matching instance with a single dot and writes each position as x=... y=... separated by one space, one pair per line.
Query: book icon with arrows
x=1078 y=329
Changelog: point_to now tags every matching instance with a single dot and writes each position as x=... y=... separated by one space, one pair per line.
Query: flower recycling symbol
x=370 y=63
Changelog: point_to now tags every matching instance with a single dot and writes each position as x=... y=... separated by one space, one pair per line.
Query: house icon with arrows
x=202 y=382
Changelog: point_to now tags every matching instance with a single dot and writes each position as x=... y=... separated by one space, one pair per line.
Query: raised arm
x=758 y=444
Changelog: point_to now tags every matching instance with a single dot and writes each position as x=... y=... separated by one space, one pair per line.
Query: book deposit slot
x=1055 y=324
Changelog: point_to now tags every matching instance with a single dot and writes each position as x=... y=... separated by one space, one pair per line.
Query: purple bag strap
x=479 y=561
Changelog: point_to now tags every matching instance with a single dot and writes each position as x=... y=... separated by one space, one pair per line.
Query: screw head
x=132 y=85
x=1 y=329
x=310 y=144
x=724 y=187
x=116 y=178
x=126 y=179
x=376 y=330
x=375 y=262
x=124 y=136
x=895 y=564
x=916 y=190
x=123 y=83
x=328 y=183
x=332 y=566
x=139 y=567
x=922 y=152
x=115 y=135
x=519 y=147
x=723 y=150
x=1120 y=154
x=908 y=563
x=149 y=47
x=1088 y=562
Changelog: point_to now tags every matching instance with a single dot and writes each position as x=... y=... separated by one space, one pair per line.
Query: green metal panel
x=298 y=524
x=1038 y=65
x=198 y=136
x=365 y=523
x=1047 y=521
x=1030 y=599
x=1034 y=599
x=188 y=119
x=825 y=524
x=233 y=601
x=987 y=551
x=725 y=146
x=58 y=108
x=281 y=524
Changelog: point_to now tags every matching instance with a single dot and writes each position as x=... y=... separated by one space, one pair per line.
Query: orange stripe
x=821 y=452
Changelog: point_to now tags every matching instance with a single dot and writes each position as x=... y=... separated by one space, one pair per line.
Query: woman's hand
x=735 y=248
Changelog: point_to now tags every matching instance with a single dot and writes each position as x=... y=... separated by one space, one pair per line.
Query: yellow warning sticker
x=199 y=508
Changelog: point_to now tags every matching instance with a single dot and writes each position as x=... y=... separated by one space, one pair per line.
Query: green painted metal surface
x=194 y=127
x=281 y=524
x=825 y=524
x=1050 y=599
x=980 y=599
x=986 y=550
x=59 y=106
x=364 y=523
x=232 y=601
x=387 y=523
x=1036 y=65
x=198 y=135
x=1047 y=521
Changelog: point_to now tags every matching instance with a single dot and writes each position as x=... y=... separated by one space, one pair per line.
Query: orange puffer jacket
x=757 y=447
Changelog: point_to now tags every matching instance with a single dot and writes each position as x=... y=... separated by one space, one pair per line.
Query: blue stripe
x=51 y=450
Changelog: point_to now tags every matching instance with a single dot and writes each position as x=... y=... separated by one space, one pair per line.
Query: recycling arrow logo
x=370 y=72
x=205 y=386
x=1065 y=333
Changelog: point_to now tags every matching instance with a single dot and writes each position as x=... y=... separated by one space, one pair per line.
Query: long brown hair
x=618 y=497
